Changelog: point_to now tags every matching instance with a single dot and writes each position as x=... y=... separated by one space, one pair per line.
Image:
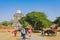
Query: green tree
x=38 y=20
x=6 y=23
x=24 y=22
x=57 y=21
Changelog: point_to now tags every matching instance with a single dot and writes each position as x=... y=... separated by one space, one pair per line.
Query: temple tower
x=17 y=16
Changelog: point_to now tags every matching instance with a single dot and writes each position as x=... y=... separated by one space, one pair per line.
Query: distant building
x=17 y=16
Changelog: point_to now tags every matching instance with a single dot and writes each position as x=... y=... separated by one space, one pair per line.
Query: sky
x=8 y=8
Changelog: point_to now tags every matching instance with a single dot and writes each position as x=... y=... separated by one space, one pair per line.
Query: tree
x=38 y=20
x=24 y=22
x=57 y=21
x=6 y=23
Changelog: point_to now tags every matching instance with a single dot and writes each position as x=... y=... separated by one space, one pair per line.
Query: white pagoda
x=17 y=16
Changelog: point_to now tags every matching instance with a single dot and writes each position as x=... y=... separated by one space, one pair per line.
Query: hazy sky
x=9 y=7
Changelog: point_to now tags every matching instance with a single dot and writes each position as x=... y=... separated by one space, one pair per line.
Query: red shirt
x=29 y=31
x=54 y=30
x=15 y=31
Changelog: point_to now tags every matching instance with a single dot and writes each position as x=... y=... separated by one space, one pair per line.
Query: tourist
x=23 y=33
x=54 y=28
x=29 y=32
x=43 y=34
x=26 y=29
x=19 y=28
x=14 y=33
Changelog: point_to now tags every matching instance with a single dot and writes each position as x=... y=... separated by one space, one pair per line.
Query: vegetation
x=37 y=19
x=24 y=22
x=6 y=23
x=57 y=21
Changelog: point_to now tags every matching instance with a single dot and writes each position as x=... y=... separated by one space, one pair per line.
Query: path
x=9 y=36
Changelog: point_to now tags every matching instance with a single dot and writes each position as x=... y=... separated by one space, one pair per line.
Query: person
x=54 y=28
x=15 y=33
x=26 y=29
x=43 y=30
x=19 y=28
x=23 y=33
x=29 y=32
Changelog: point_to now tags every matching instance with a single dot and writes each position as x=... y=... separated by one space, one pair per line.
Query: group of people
x=28 y=31
x=24 y=31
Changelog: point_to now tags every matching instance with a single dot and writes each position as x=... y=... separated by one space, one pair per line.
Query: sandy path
x=9 y=36
x=35 y=36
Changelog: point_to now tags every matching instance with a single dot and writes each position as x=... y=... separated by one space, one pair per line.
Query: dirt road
x=9 y=36
x=35 y=36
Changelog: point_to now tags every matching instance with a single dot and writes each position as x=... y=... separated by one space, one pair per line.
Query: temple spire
x=18 y=11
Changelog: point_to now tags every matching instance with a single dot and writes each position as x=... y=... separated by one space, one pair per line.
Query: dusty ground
x=5 y=35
